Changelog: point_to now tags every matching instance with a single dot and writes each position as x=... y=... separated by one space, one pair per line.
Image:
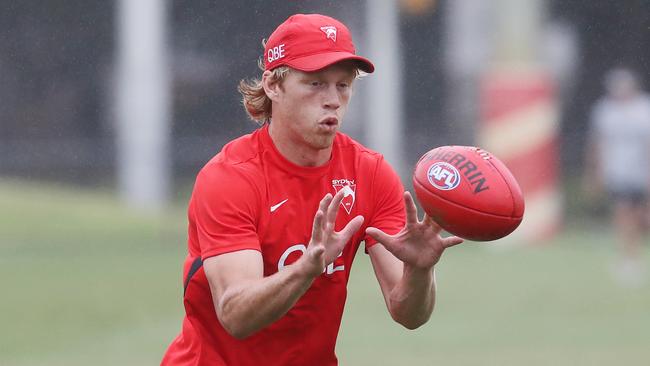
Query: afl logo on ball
x=443 y=176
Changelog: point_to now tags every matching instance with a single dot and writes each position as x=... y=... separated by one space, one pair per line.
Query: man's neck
x=299 y=154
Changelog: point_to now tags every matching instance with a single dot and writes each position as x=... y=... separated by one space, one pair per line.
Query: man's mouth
x=329 y=122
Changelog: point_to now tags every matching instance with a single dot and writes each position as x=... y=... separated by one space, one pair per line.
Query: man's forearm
x=413 y=298
x=250 y=306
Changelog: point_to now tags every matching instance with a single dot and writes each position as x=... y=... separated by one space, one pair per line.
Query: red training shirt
x=250 y=197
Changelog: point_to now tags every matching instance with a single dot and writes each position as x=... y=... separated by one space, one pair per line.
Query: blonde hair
x=256 y=103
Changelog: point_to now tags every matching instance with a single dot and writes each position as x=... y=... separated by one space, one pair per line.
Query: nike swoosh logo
x=275 y=207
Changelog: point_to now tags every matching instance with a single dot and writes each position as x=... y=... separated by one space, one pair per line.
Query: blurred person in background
x=266 y=272
x=618 y=162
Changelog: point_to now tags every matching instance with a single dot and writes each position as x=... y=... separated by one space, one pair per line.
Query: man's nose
x=331 y=99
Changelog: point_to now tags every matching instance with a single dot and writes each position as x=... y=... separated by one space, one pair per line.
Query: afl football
x=468 y=192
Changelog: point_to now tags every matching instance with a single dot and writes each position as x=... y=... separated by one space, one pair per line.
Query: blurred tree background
x=56 y=75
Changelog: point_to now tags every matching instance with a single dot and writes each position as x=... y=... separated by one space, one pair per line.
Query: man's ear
x=271 y=87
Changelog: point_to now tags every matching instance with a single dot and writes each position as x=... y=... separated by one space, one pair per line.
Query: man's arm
x=409 y=293
x=245 y=301
x=404 y=263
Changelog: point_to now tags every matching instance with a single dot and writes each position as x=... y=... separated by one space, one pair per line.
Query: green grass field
x=86 y=282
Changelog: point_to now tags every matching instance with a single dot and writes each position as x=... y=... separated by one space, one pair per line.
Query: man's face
x=310 y=106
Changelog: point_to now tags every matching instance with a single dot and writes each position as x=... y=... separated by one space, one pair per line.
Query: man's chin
x=323 y=142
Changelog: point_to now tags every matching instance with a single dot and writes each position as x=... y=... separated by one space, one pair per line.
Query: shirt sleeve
x=225 y=204
x=388 y=214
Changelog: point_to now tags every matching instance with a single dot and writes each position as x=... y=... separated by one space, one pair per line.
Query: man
x=619 y=161
x=277 y=217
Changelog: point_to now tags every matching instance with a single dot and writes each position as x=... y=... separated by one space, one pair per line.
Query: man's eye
x=315 y=83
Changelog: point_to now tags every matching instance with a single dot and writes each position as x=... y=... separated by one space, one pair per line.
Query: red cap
x=310 y=42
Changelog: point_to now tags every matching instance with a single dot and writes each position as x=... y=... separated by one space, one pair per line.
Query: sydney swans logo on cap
x=330 y=32
x=443 y=176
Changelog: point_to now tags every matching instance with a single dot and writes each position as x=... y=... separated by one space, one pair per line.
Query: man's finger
x=411 y=209
x=384 y=239
x=451 y=241
x=351 y=228
x=317 y=229
x=325 y=202
x=333 y=208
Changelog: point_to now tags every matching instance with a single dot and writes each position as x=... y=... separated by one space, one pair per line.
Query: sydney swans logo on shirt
x=349 y=192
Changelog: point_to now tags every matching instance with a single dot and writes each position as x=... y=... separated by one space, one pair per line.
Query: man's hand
x=326 y=244
x=419 y=243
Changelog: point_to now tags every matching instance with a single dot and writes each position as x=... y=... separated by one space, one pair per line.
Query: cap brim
x=322 y=60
